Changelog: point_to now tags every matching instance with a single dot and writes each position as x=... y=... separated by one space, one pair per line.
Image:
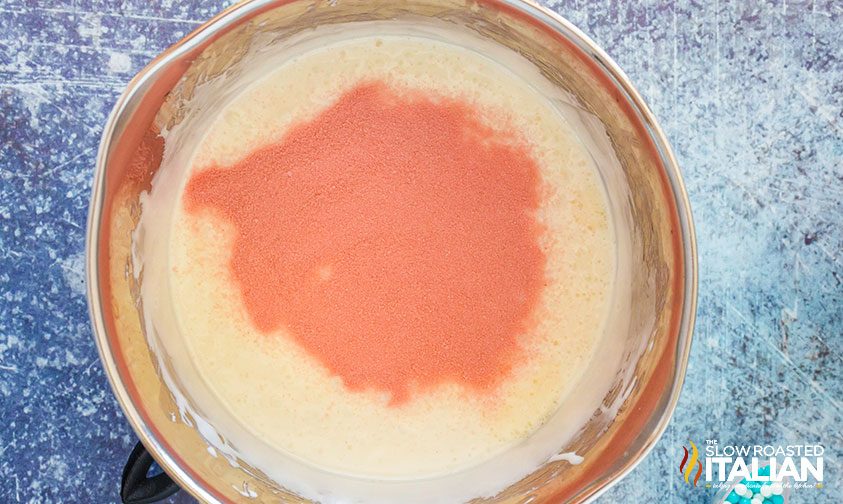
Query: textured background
x=749 y=93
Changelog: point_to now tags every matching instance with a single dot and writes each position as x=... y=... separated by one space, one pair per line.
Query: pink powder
x=393 y=237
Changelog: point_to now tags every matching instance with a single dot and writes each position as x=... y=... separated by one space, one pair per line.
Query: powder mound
x=393 y=236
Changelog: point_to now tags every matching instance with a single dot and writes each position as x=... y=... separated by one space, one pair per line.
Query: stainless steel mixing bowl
x=663 y=255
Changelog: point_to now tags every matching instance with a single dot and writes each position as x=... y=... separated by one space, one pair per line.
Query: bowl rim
x=229 y=18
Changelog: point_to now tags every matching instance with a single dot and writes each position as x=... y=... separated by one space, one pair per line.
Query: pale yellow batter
x=284 y=397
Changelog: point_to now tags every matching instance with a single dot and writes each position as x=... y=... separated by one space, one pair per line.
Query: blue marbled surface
x=749 y=93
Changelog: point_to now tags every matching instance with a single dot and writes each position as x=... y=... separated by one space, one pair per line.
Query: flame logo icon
x=686 y=467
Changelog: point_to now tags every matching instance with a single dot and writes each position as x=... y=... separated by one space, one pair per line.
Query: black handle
x=137 y=487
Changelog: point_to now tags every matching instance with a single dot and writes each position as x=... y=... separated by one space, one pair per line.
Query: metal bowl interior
x=663 y=276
